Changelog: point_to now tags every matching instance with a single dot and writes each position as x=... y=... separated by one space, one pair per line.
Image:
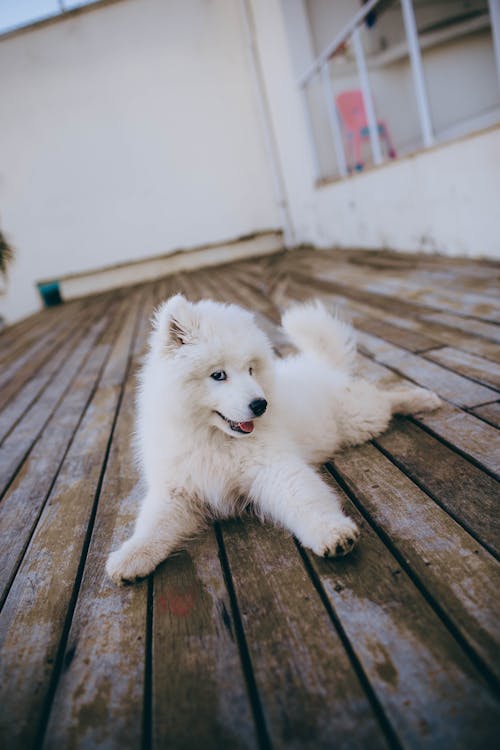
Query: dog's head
x=221 y=359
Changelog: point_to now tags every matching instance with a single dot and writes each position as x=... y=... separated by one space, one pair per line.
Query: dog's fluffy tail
x=315 y=331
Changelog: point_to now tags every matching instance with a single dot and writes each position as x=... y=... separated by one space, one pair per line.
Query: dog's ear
x=175 y=323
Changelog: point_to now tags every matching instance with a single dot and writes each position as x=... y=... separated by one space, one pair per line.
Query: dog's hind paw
x=414 y=400
x=424 y=400
x=337 y=540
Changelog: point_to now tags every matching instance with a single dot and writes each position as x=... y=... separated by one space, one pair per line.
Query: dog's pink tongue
x=246 y=426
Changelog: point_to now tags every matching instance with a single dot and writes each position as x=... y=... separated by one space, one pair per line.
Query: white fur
x=195 y=466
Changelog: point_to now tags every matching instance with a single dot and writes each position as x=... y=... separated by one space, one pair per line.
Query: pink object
x=355 y=129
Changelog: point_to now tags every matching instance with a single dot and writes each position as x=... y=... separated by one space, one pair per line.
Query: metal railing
x=319 y=70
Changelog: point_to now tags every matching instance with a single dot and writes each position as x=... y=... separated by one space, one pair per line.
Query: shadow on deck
x=245 y=640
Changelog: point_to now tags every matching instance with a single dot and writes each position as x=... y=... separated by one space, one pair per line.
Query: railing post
x=334 y=121
x=495 y=31
x=367 y=96
x=418 y=72
x=310 y=132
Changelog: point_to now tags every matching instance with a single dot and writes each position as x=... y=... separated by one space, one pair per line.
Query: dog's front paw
x=129 y=563
x=336 y=539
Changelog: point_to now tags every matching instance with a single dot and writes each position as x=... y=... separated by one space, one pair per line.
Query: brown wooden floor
x=246 y=640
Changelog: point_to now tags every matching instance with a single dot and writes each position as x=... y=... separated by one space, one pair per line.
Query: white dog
x=220 y=418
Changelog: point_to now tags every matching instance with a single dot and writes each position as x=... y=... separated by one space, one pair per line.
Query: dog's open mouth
x=245 y=428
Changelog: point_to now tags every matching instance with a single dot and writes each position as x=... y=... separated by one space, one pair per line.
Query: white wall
x=445 y=199
x=127 y=131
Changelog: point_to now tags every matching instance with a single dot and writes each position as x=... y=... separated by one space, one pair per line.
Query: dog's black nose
x=258 y=406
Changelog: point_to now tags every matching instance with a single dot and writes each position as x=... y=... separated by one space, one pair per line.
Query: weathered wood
x=449 y=385
x=453 y=337
x=466 y=432
x=470 y=325
x=470 y=365
x=311 y=696
x=431 y=693
x=43 y=380
x=17 y=338
x=468 y=304
x=99 y=696
x=36 y=608
x=430 y=285
x=18 y=444
x=384 y=302
x=104 y=658
x=490 y=413
x=262 y=664
x=460 y=576
x=363 y=318
x=23 y=367
x=466 y=492
x=392 y=313
x=199 y=694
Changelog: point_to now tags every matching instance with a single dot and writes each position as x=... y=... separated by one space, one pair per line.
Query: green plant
x=6 y=254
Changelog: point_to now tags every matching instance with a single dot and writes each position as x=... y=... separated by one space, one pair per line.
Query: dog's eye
x=250 y=370
x=219 y=375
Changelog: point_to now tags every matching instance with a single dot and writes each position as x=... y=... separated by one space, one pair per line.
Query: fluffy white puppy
x=221 y=418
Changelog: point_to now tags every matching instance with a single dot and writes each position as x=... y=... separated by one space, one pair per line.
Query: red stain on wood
x=178 y=603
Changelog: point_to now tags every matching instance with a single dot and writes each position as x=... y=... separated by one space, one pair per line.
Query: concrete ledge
x=81 y=285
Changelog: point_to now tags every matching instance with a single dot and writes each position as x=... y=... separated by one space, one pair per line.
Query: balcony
x=393 y=78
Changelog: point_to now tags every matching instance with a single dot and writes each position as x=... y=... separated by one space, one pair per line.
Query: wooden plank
x=463 y=290
x=41 y=385
x=435 y=332
x=25 y=498
x=194 y=647
x=461 y=430
x=39 y=349
x=469 y=365
x=20 y=441
x=105 y=651
x=414 y=341
x=193 y=284
x=490 y=413
x=364 y=320
x=107 y=643
x=470 y=435
x=199 y=693
x=461 y=577
x=470 y=495
x=35 y=611
x=465 y=304
x=19 y=336
x=234 y=287
x=388 y=303
x=470 y=325
x=25 y=366
x=194 y=650
x=452 y=337
x=430 y=691
x=445 y=383
x=11 y=346
x=311 y=696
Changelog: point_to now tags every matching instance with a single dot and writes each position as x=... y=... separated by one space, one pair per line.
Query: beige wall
x=127 y=131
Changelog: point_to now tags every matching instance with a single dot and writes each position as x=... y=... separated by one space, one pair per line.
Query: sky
x=14 y=13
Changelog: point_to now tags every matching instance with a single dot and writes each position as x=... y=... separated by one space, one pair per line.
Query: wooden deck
x=245 y=640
